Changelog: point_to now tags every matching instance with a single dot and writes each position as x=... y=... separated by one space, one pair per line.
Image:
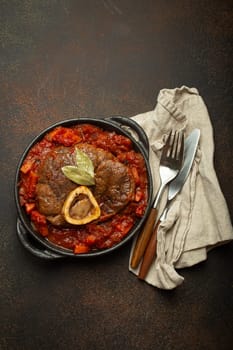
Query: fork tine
x=179 y=145
x=174 y=147
x=181 y=148
x=170 y=144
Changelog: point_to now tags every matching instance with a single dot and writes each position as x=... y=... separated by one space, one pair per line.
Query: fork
x=170 y=164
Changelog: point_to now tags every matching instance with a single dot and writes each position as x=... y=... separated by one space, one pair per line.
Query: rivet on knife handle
x=149 y=255
x=143 y=239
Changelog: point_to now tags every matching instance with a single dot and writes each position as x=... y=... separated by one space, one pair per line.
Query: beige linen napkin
x=198 y=219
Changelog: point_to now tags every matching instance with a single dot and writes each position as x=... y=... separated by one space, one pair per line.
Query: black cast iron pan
x=39 y=246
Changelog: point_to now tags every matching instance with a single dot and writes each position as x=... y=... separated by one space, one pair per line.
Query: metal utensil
x=170 y=164
x=190 y=147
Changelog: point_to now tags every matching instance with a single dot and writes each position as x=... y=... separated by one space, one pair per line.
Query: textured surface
x=62 y=59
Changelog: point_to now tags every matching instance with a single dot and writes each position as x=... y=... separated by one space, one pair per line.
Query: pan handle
x=31 y=246
x=142 y=137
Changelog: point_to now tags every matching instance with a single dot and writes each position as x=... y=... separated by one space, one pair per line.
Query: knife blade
x=190 y=147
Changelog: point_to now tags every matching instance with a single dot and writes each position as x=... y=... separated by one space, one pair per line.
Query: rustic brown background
x=70 y=58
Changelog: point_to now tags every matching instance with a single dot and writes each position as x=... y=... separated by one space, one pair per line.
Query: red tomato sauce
x=92 y=236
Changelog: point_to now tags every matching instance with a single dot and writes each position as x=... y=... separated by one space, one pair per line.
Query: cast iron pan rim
x=107 y=124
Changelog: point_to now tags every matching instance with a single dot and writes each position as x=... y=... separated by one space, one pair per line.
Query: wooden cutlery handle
x=143 y=238
x=149 y=254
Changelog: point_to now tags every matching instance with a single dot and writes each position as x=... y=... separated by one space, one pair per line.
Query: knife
x=190 y=147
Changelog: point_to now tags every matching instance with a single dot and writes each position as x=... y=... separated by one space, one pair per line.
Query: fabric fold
x=198 y=218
